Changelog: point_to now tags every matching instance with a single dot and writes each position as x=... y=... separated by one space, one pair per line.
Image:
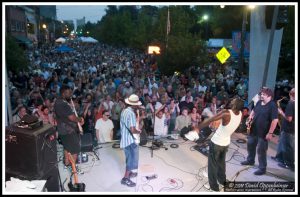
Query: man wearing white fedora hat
x=129 y=136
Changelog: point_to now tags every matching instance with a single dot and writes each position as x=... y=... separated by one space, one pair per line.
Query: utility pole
x=271 y=38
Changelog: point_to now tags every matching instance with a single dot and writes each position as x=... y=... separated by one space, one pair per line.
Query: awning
x=23 y=39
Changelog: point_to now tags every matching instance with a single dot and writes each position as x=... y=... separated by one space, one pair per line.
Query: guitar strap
x=129 y=130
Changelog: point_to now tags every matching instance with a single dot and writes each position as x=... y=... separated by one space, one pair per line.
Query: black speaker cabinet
x=32 y=154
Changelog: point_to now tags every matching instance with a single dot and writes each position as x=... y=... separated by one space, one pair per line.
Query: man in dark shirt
x=264 y=118
x=288 y=132
x=67 y=124
x=186 y=104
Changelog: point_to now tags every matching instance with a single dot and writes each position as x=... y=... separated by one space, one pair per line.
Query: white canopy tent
x=61 y=40
x=88 y=39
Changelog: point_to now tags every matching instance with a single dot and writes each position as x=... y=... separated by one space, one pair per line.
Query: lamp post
x=205 y=18
x=46 y=32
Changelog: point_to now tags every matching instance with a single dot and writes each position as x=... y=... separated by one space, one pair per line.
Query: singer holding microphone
x=68 y=123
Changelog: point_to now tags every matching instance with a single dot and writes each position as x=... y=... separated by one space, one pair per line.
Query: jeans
x=279 y=155
x=288 y=148
x=262 y=147
x=132 y=156
x=216 y=165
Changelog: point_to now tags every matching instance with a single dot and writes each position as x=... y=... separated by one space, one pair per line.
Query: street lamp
x=205 y=18
x=46 y=32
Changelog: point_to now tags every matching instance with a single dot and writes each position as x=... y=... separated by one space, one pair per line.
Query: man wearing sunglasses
x=104 y=128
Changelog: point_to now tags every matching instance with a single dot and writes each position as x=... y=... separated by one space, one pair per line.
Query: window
x=13 y=25
x=22 y=27
x=18 y=26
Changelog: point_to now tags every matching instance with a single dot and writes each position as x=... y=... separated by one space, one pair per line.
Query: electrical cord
x=174 y=166
x=145 y=183
x=175 y=184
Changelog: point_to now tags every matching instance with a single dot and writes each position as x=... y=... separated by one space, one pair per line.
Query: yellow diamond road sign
x=223 y=55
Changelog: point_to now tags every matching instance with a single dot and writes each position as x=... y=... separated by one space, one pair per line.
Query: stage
x=179 y=169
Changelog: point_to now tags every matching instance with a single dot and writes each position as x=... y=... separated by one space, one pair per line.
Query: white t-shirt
x=207 y=112
x=159 y=126
x=104 y=129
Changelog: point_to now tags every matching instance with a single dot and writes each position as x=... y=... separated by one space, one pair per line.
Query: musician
x=67 y=124
x=129 y=138
x=220 y=141
x=264 y=118
x=288 y=133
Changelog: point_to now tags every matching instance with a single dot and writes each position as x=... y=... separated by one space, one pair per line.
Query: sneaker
x=207 y=186
x=283 y=165
x=204 y=173
x=247 y=163
x=276 y=159
x=128 y=182
x=133 y=174
x=260 y=172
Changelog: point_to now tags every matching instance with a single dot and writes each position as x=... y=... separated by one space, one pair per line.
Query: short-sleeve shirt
x=289 y=127
x=263 y=116
x=128 y=119
x=62 y=110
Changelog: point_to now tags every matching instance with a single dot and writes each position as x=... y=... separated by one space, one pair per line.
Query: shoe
x=207 y=186
x=276 y=159
x=260 y=172
x=247 y=163
x=283 y=165
x=221 y=184
x=133 y=174
x=128 y=182
x=204 y=173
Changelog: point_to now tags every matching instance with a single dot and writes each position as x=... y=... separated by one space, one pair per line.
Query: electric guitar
x=76 y=187
x=249 y=124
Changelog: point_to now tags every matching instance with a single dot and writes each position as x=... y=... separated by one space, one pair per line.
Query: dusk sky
x=92 y=13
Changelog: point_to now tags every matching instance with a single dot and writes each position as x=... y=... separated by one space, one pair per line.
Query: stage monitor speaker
x=32 y=154
x=86 y=142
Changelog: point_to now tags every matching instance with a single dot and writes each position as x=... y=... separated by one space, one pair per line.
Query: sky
x=92 y=13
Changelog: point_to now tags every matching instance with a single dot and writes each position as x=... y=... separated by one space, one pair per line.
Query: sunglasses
x=107 y=115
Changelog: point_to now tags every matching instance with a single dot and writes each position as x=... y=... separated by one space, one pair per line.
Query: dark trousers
x=279 y=155
x=216 y=165
x=288 y=148
x=262 y=147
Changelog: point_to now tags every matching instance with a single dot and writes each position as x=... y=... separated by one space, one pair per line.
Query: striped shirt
x=128 y=118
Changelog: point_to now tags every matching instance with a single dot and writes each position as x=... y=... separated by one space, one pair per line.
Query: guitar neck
x=73 y=168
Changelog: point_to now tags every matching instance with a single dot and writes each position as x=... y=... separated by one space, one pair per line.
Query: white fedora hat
x=133 y=100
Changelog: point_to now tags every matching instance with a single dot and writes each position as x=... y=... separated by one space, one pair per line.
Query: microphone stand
x=153 y=134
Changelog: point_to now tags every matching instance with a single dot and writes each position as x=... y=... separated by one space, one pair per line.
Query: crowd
x=102 y=76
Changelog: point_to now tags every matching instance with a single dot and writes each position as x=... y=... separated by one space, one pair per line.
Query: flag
x=168 y=23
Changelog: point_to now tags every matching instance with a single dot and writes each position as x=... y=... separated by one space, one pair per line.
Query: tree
x=15 y=56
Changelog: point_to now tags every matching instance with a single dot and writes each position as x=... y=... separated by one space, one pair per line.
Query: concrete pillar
x=259 y=41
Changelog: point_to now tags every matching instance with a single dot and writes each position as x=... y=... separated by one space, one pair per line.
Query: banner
x=236 y=44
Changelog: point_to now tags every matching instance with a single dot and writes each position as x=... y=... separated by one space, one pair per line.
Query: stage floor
x=179 y=169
